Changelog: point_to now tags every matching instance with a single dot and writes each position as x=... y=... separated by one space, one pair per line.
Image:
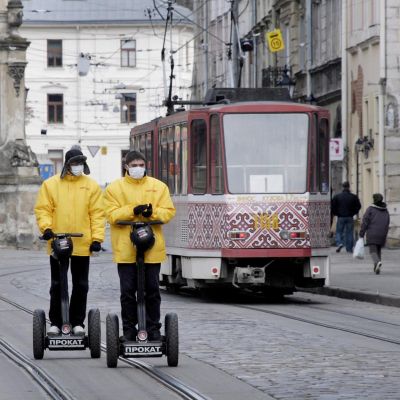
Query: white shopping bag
x=358 y=251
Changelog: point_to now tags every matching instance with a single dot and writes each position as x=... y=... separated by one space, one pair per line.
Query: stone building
x=372 y=97
x=19 y=175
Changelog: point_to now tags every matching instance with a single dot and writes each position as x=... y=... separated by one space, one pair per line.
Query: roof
x=51 y=12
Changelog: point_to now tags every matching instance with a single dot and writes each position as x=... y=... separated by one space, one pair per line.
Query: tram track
x=321 y=324
x=175 y=385
x=53 y=389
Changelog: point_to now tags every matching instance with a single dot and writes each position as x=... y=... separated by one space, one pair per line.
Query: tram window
x=199 y=156
x=142 y=143
x=184 y=159
x=163 y=156
x=313 y=173
x=266 y=153
x=171 y=159
x=323 y=155
x=217 y=174
x=149 y=153
x=177 y=165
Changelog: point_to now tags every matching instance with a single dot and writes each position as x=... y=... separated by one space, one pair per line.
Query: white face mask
x=137 y=172
x=77 y=170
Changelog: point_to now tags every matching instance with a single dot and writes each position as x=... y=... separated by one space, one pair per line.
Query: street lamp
x=286 y=81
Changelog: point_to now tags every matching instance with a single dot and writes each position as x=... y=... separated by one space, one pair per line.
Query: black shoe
x=339 y=248
x=154 y=336
x=129 y=336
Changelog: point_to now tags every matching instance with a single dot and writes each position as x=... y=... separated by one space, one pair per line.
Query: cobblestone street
x=287 y=360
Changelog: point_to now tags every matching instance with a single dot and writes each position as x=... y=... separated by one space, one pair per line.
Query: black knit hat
x=134 y=155
x=74 y=155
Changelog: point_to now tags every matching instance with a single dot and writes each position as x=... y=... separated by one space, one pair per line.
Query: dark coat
x=375 y=224
x=345 y=204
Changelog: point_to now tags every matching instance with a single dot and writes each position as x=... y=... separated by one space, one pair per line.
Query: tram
x=250 y=182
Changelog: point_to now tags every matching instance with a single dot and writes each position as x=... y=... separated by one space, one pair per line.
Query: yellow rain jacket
x=120 y=198
x=73 y=204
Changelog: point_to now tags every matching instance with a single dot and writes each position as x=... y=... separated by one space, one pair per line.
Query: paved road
x=269 y=355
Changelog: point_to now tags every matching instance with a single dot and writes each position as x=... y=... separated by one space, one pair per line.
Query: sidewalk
x=355 y=279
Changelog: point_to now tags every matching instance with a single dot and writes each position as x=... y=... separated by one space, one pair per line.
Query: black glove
x=139 y=209
x=148 y=211
x=48 y=234
x=95 y=246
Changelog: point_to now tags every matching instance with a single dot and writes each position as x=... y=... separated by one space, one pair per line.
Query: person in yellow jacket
x=138 y=197
x=71 y=202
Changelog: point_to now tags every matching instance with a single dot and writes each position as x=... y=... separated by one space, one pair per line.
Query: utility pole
x=205 y=43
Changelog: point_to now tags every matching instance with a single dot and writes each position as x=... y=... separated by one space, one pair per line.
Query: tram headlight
x=238 y=235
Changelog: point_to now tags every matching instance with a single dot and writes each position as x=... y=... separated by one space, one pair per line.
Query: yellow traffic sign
x=275 y=40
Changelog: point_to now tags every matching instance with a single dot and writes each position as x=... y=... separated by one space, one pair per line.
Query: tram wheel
x=172 y=339
x=39 y=333
x=94 y=328
x=112 y=333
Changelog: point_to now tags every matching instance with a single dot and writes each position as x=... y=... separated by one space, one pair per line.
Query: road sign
x=93 y=150
x=336 y=152
x=275 y=40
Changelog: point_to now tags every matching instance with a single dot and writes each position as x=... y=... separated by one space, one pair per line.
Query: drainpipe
x=309 y=46
x=382 y=93
x=344 y=92
x=255 y=53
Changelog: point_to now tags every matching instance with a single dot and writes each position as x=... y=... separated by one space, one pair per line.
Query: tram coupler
x=253 y=275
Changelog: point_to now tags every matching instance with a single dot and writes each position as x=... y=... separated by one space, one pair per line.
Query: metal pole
x=344 y=92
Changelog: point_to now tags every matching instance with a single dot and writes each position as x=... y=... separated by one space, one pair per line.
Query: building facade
x=372 y=95
x=94 y=71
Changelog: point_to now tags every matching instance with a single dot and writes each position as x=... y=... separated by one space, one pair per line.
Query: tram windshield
x=266 y=153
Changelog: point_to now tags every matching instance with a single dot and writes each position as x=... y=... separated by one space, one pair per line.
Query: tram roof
x=261 y=106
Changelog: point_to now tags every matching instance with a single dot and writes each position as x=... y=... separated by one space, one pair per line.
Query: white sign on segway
x=148 y=351
x=62 y=343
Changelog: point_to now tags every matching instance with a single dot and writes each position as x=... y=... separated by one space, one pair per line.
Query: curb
x=369 y=297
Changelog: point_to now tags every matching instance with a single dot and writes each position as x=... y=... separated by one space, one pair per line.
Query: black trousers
x=128 y=283
x=80 y=288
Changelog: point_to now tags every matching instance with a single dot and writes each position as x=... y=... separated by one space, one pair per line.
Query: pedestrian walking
x=71 y=202
x=375 y=225
x=345 y=206
x=138 y=197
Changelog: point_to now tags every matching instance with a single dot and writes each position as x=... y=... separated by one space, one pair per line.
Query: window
x=149 y=153
x=178 y=160
x=163 y=156
x=56 y=157
x=128 y=108
x=217 y=173
x=54 y=53
x=128 y=53
x=199 y=156
x=266 y=153
x=171 y=159
x=55 y=109
x=184 y=152
x=323 y=155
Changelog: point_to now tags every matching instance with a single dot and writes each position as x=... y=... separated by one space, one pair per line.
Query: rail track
x=56 y=390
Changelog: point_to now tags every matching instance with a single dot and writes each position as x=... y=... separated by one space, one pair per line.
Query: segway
x=62 y=250
x=143 y=238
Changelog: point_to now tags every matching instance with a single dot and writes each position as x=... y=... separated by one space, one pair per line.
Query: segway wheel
x=172 y=339
x=94 y=326
x=39 y=333
x=112 y=333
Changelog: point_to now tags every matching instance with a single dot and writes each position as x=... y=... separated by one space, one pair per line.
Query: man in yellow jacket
x=137 y=197
x=71 y=202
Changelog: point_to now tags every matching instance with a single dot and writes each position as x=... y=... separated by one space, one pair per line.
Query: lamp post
x=286 y=81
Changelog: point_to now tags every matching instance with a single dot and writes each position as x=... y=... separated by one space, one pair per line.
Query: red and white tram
x=250 y=182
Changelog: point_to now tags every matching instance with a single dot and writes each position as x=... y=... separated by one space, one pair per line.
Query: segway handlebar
x=61 y=235
x=139 y=224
